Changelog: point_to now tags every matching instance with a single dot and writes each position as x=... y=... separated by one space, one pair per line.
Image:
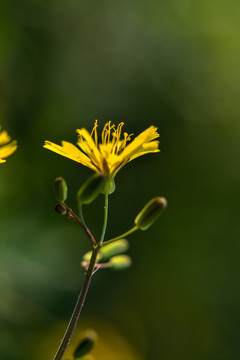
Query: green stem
x=120 y=236
x=82 y=296
x=78 y=307
x=104 y=220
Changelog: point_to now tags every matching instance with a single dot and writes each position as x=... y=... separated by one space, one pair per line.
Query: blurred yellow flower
x=112 y=153
x=7 y=147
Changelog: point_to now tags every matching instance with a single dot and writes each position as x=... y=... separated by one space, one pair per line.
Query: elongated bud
x=115 y=248
x=88 y=255
x=91 y=189
x=151 y=211
x=86 y=344
x=120 y=262
x=61 y=209
x=60 y=187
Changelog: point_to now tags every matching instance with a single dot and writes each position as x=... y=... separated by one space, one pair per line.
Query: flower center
x=111 y=137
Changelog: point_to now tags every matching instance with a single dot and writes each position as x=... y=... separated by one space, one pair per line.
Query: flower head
x=7 y=147
x=112 y=153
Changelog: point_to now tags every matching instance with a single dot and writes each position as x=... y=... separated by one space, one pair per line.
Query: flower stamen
x=116 y=138
x=94 y=132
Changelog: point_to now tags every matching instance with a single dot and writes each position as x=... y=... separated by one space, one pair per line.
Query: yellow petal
x=137 y=144
x=151 y=147
x=87 y=144
x=4 y=138
x=71 y=152
x=8 y=150
x=114 y=161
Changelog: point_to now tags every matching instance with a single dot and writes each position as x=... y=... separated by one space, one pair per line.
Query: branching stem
x=91 y=269
x=78 y=308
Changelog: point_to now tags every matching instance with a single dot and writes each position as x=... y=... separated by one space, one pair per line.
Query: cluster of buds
x=110 y=255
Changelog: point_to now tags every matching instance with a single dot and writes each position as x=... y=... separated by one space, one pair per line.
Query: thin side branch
x=72 y=215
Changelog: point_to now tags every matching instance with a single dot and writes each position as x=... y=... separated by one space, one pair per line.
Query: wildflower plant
x=105 y=156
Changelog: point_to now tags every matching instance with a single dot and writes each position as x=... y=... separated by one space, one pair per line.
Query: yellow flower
x=112 y=153
x=7 y=147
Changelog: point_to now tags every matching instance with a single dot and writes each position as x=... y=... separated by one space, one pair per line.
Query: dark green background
x=172 y=64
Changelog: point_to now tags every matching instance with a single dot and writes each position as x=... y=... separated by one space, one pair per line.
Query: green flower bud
x=60 y=187
x=61 y=209
x=151 y=211
x=109 y=187
x=117 y=247
x=86 y=344
x=91 y=189
x=120 y=262
x=88 y=255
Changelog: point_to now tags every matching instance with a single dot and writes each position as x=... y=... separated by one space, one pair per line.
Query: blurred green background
x=173 y=64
